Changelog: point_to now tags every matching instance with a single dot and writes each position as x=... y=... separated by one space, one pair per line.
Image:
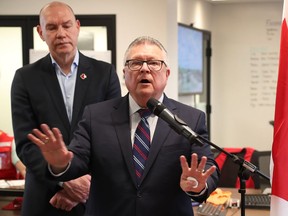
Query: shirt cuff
x=198 y=194
x=58 y=174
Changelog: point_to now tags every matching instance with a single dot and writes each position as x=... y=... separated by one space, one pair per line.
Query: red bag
x=7 y=169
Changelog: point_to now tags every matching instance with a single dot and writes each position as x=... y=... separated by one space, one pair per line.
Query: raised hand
x=52 y=147
x=194 y=178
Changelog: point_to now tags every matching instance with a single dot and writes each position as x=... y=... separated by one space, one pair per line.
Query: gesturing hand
x=52 y=147
x=193 y=178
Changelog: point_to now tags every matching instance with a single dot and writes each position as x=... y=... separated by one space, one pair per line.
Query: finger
x=201 y=166
x=184 y=163
x=35 y=139
x=38 y=137
x=53 y=201
x=39 y=134
x=210 y=171
x=194 y=161
x=57 y=133
x=47 y=132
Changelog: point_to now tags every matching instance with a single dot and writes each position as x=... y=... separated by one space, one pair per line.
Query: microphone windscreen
x=152 y=103
x=155 y=106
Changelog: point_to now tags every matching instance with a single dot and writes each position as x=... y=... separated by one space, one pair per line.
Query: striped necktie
x=141 y=144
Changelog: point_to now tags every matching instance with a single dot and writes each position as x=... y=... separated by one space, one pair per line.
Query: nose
x=60 y=31
x=145 y=67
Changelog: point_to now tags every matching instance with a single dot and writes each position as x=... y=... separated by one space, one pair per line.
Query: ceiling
x=242 y=1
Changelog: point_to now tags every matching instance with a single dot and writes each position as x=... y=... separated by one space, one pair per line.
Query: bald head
x=51 y=5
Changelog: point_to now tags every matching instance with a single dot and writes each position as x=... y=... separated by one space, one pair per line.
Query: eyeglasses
x=136 y=65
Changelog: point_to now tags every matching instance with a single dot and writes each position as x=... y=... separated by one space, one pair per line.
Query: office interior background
x=245 y=36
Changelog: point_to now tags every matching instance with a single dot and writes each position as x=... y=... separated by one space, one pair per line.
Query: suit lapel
x=84 y=72
x=161 y=133
x=121 y=121
x=53 y=87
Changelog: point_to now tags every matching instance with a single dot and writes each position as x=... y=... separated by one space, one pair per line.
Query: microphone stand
x=181 y=128
x=243 y=167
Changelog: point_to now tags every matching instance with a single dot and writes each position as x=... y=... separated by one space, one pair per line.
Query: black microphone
x=174 y=121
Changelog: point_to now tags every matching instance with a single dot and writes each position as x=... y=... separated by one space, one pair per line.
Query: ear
x=40 y=32
x=123 y=73
x=167 y=72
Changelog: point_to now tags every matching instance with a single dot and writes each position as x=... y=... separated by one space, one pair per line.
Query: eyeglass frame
x=147 y=62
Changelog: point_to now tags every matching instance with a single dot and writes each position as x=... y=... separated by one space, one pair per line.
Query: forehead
x=55 y=14
x=146 y=51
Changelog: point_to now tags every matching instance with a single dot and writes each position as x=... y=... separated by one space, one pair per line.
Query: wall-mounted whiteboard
x=245 y=56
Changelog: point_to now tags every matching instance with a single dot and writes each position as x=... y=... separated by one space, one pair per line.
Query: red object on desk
x=16 y=204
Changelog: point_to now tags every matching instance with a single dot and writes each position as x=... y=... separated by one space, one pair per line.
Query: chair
x=264 y=167
x=229 y=169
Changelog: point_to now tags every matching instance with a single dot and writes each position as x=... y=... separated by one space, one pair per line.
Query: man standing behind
x=55 y=90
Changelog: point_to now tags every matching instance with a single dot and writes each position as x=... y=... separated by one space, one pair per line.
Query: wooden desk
x=237 y=211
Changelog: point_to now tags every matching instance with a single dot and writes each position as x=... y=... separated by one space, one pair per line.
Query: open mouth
x=144 y=81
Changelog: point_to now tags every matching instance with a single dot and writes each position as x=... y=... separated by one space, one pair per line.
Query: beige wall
x=236 y=28
x=245 y=42
x=133 y=18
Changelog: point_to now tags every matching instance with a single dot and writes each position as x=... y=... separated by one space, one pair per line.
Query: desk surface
x=237 y=211
x=234 y=211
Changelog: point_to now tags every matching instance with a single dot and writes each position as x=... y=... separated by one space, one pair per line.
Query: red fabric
x=221 y=158
x=7 y=169
x=280 y=142
x=16 y=204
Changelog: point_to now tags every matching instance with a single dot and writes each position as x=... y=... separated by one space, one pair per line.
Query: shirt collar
x=75 y=62
x=134 y=107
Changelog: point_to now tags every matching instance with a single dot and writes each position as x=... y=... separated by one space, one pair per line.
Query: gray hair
x=144 y=40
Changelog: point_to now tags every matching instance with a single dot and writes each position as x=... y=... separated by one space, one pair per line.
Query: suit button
x=139 y=195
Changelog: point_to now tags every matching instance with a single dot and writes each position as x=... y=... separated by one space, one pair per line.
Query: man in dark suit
x=175 y=169
x=55 y=90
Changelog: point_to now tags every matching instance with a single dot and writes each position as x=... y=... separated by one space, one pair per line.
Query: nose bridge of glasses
x=147 y=65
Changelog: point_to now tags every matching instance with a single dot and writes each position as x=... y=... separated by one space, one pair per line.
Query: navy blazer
x=36 y=98
x=102 y=146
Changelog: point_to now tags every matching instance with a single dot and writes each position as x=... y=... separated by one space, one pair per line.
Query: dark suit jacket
x=37 y=98
x=103 y=147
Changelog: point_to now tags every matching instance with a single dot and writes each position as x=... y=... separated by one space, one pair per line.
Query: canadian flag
x=279 y=160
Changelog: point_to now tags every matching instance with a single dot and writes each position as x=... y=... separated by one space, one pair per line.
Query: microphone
x=174 y=121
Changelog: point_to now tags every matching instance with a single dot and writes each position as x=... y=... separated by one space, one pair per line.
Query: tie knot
x=144 y=113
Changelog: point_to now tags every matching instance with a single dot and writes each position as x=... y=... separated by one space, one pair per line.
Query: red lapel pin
x=83 y=76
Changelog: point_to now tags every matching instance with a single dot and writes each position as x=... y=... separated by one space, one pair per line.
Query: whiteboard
x=245 y=47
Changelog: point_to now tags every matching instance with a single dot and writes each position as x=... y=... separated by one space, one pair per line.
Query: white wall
x=245 y=43
x=133 y=18
x=240 y=116
x=196 y=12
x=237 y=30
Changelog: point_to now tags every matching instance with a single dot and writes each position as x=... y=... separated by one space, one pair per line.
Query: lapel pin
x=83 y=76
